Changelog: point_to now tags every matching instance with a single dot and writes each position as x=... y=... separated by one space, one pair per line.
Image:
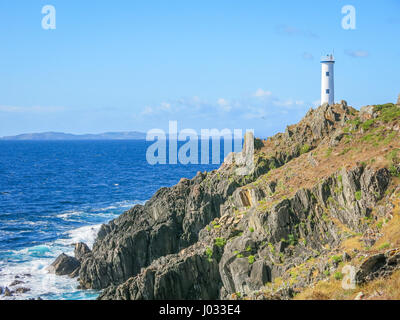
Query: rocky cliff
x=321 y=196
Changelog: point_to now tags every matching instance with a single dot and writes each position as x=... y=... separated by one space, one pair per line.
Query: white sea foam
x=30 y=264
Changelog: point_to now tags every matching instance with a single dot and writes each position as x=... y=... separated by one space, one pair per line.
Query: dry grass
x=379 y=289
x=383 y=288
x=299 y=172
x=391 y=231
x=327 y=290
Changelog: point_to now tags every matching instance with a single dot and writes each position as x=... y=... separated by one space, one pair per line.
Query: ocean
x=56 y=193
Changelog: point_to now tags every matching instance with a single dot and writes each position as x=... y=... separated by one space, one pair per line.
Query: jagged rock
x=335 y=140
x=158 y=250
x=81 y=250
x=64 y=265
x=192 y=277
x=312 y=160
x=260 y=274
x=367 y=112
x=8 y=292
x=15 y=283
x=379 y=265
x=346 y=257
x=22 y=290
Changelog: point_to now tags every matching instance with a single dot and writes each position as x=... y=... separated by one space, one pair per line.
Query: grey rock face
x=22 y=290
x=379 y=265
x=81 y=251
x=64 y=265
x=191 y=275
x=169 y=222
x=7 y=292
x=167 y=248
x=300 y=217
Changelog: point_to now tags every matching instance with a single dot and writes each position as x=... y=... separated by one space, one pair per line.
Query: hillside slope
x=322 y=196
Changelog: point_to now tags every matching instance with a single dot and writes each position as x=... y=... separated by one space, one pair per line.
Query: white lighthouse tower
x=328 y=80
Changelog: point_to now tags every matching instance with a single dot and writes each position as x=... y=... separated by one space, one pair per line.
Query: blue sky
x=134 y=65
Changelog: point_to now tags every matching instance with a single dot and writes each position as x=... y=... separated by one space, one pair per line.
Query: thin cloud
x=262 y=104
x=294 y=31
x=34 y=109
x=224 y=104
x=357 y=53
x=262 y=93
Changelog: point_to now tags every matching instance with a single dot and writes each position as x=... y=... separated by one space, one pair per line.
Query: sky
x=135 y=65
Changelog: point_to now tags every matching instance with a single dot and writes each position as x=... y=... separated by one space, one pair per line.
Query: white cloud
x=262 y=93
x=224 y=104
x=261 y=105
x=34 y=109
x=357 y=53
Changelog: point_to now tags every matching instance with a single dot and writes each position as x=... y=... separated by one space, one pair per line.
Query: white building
x=327 y=80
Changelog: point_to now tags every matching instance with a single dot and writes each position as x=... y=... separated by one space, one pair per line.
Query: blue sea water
x=56 y=193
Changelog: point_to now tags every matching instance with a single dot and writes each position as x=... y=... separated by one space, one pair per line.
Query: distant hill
x=129 y=135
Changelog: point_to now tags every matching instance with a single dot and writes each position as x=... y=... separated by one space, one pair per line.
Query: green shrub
x=386 y=245
x=367 y=124
x=251 y=259
x=356 y=122
x=388 y=112
x=338 y=275
x=220 y=242
x=305 y=148
x=336 y=259
x=357 y=195
x=393 y=155
x=393 y=171
x=292 y=240
x=209 y=254
x=271 y=247
x=251 y=229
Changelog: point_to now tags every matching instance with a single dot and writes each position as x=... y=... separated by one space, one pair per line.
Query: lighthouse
x=327 y=80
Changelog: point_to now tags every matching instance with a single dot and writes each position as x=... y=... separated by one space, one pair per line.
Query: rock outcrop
x=64 y=265
x=224 y=235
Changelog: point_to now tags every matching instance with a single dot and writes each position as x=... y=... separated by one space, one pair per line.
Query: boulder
x=8 y=292
x=81 y=250
x=64 y=265
x=370 y=266
x=260 y=274
x=22 y=290
x=16 y=282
